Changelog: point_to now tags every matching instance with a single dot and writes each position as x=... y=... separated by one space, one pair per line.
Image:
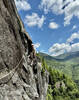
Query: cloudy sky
x=53 y=25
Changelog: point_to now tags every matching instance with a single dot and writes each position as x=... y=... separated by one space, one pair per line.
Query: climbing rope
x=4 y=78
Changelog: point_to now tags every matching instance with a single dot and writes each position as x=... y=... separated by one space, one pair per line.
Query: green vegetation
x=61 y=87
x=66 y=63
x=49 y=93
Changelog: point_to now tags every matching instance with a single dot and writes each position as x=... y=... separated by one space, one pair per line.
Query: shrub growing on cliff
x=49 y=93
x=61 y=87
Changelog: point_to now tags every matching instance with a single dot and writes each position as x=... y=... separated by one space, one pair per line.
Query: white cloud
x=75 y=47
x=22 y=5
x=58 y=49
x=67 y=20
x=62 y=48
x=74 y=27
x=34 y=20
x=51 y=5
x=53 y=25
x=37 y=45
x=69 y=8
x=73 y=36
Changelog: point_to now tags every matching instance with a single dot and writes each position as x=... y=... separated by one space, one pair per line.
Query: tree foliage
x=61 y=87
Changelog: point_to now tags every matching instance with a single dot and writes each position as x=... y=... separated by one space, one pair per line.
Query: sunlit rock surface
x=20 y=71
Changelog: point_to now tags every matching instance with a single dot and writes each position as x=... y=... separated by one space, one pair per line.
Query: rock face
x=20 y=70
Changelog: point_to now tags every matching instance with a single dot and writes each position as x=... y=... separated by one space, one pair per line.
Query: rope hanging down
x=4 y=79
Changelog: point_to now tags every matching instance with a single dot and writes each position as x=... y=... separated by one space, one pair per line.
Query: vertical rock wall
x=20 y=71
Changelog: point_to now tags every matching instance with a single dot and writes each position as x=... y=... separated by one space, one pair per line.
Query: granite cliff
x=20 y=69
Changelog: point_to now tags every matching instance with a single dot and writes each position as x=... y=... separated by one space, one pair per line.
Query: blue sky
x=53 y=25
